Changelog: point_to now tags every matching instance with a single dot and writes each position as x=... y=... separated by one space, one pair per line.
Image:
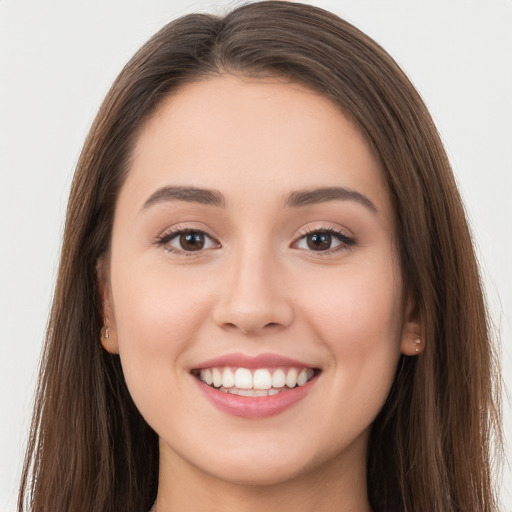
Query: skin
x=257 y=287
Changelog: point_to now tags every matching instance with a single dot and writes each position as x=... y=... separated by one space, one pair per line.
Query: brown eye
x=192 y=241
x=320 y=241
x=187 y=241
x=324 y=241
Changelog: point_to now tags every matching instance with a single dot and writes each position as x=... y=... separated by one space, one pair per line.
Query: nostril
x=248 y=329
x=230 y=326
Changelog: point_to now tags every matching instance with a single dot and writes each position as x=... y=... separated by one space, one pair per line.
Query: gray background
x=57 y=60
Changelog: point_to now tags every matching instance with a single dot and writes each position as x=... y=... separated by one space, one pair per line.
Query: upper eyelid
x=308 y=230
x=180 y=229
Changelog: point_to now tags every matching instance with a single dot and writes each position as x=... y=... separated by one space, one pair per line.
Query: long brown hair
x=430 y=448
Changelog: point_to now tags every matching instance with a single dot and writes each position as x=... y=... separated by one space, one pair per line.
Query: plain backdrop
x=57 y=61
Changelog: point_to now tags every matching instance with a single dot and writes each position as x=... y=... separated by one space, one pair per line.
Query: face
x=255 y=296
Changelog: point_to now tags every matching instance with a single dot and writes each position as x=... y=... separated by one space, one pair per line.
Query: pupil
x=319 y=241
x=192 y=241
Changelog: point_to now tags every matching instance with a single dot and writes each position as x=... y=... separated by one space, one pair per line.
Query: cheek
x=357 y=318
x=355 y=309
x=157 y=314
x=356 y=313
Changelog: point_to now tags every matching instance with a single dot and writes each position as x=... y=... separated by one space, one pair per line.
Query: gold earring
x=107 y=332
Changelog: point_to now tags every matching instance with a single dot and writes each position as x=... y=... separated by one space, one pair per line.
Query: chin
x=258 y=473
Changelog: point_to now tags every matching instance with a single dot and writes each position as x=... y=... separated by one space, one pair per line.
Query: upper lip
x=252 y=362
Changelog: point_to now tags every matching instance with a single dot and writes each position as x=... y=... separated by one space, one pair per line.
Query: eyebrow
x=187 y=194
x=296 y=199
x=326 y=194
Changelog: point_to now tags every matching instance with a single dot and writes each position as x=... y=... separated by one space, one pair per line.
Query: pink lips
x=259 y=361
x=254 y=407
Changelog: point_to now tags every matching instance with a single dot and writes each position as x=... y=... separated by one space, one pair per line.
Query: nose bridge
x=254 y=299
x=254 y=277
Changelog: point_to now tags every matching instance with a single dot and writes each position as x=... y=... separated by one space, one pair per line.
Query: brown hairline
x=430 y=446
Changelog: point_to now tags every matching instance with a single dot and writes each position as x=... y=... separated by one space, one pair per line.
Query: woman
x=268 y=295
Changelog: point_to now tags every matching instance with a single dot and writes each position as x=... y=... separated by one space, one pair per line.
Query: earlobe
x=412 y=342
x=109 y=338
x=108 y=335
x=412 y=345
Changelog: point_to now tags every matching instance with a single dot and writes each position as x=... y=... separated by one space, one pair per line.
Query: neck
x=335 y=485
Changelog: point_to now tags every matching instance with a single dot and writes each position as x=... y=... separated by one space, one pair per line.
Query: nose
x=254 y=298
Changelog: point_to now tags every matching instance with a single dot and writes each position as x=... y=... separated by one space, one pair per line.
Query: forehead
x=252 y=138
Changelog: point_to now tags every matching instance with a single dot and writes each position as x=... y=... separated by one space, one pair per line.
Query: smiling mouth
x=255 y=382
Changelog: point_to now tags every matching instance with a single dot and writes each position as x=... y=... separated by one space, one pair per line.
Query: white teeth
x=278 y=379
x=216 y=378
x=262 y=379
x=302 y=377
x=259 y=382
x=243 y=378
x=228 y=379
x=207 y=376
x=291 y=378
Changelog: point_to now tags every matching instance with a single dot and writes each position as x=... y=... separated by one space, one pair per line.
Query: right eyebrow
x=327 y=194
x=187 y=194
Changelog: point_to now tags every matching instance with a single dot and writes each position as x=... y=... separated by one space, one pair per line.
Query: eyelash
x=163 y=240
x=345 y=241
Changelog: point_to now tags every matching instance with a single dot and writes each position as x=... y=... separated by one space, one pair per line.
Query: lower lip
x=257 y=406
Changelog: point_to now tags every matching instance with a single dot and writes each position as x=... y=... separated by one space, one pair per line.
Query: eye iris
x=319 y=241
x=192 y=241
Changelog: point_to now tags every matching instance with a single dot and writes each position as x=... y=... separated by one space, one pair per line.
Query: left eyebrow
x=186 y=194
x=327 y=194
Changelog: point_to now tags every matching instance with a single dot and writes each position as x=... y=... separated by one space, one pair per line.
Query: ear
x=108 y=334
x=412 y=343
